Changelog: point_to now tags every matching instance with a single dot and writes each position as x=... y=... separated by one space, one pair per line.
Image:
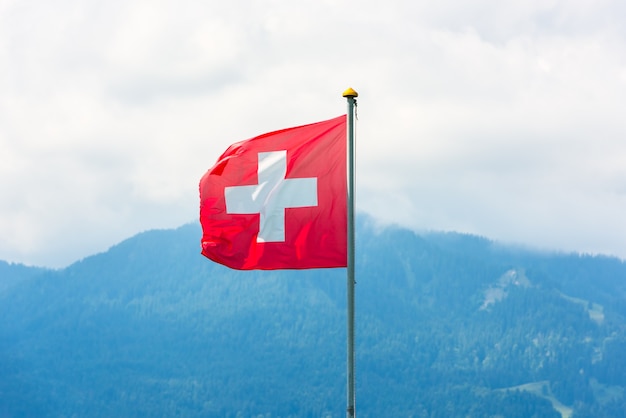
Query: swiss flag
x=278 y=201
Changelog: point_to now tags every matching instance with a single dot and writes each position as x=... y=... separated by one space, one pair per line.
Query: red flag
x=278 y=201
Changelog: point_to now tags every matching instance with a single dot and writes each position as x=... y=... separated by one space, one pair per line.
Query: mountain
x=447 y=325
x=11 y=274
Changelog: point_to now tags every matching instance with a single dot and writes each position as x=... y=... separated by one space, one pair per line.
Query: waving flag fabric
x=278 y=201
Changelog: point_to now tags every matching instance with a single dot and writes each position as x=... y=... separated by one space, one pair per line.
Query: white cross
x=271 y=196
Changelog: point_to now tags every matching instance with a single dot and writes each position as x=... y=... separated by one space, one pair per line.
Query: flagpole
x=350 y=95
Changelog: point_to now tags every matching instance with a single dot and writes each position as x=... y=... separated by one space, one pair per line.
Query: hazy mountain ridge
x=152 y=328
x=13 y=273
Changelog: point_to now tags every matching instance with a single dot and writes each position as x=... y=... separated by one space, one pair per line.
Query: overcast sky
x=505 y=119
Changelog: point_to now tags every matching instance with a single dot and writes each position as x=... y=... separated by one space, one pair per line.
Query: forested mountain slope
x=447 y=325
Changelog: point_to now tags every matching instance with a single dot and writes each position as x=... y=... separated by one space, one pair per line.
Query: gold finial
x=350 y=93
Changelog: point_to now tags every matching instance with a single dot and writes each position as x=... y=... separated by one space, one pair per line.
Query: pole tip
x=350 y=93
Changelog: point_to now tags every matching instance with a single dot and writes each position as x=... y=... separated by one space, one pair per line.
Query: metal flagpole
x=350 y=95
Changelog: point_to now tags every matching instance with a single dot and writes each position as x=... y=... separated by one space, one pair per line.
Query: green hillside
x=448 y=325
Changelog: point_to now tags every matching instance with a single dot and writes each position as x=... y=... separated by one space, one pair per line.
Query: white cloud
x=496 y=118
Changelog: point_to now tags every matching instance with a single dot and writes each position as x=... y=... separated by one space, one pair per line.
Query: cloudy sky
x=503 y=119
